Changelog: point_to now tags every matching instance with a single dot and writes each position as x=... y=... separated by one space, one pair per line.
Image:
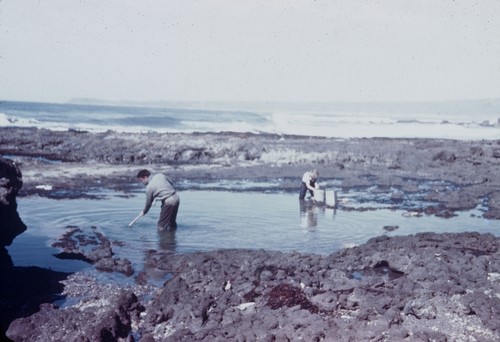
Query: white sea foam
x=12 y=121
x=204 y=126
x=365 y=126
x=6 y=120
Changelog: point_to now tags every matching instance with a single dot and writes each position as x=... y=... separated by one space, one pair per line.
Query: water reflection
x=166 y=240
x=310 y=211
x=308 y=214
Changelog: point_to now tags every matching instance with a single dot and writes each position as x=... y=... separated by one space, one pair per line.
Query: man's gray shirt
x=158 y=187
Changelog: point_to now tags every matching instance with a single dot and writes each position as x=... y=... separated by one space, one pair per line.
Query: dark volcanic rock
x=11 y=182
x=442 y=287
x=423 y=287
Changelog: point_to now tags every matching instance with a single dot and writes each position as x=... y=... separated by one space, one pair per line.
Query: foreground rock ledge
x=427 y=287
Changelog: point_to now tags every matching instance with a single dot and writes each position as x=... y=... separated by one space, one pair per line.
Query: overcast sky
x=244 y=50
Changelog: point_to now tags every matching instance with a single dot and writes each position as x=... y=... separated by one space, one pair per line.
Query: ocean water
x=470 y=120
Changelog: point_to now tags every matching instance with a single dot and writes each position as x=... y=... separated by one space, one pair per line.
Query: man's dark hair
x=143 y=173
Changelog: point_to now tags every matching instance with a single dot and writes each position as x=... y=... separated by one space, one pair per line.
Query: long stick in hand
x=135 y=220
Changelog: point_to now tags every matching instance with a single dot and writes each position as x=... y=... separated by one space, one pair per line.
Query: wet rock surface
x=441 y=287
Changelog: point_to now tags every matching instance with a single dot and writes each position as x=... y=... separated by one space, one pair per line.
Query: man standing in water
x=308 y=183
x=159 y=187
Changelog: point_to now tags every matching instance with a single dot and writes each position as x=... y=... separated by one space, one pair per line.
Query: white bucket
x=319 y=195
x=331 y=198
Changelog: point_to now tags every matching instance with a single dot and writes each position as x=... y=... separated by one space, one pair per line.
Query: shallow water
x=210 y=220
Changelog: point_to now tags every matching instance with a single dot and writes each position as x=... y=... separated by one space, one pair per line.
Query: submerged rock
x=93 y=247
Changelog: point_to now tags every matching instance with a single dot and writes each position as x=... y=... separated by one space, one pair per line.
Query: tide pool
x=211 y=220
